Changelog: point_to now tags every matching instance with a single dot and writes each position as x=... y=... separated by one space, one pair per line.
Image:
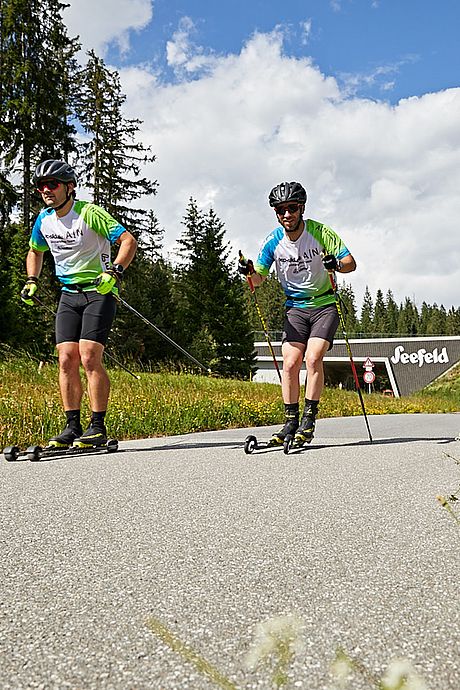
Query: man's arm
x=34 y=263
x=347 y=264
x=127 y=249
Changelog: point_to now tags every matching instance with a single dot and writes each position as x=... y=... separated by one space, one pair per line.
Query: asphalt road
x=207 y=541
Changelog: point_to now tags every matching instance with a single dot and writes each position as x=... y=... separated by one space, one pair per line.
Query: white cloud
x=100 y=23
x=380 y=76
x=183 y=55
x=386 y=178
x=306 y=27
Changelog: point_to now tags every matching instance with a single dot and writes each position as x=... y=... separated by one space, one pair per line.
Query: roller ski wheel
x=287 y=445
x=11 y=453
x=250 y=445
x=34 y=453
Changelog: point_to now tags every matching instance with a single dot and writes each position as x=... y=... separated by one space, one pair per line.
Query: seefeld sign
x=420 y=357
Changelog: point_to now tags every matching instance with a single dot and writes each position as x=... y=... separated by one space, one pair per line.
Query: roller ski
x=68 y=443
x=278 y=439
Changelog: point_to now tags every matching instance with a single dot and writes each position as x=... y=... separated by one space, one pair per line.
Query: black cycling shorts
x=318 y=322
x=84 y=316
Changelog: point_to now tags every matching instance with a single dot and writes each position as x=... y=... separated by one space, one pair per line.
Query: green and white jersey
x=299 y=267
x=79 y=241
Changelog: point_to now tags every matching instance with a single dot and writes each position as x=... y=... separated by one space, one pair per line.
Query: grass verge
x=165 y=404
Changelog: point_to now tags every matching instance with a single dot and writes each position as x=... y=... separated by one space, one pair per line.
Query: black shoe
x=290 y=427
x=66 y=438
x=306 y=430
x=93 y=436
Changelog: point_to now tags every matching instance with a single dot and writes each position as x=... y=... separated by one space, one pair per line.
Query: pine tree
x=425 y=315
x=437 y=321
x=113 y=157
x=367 y=313
x=453 y=321
x=37 y=64
x=347 y=297
x=379 y=314
x=391 y=315
x=210 y=295
x=408 y=318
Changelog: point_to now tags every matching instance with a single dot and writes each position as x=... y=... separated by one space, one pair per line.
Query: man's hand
x=106 y=281
x=330 y=263
x=245 y=266
x=29 y=290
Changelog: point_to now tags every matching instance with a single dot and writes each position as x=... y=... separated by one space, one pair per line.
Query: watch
x=339 y=266
x=119 y=270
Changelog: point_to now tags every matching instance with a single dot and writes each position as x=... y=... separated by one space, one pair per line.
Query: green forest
x=51 y=106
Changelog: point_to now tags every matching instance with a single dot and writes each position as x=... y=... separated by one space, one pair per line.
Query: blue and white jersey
x=298 y=264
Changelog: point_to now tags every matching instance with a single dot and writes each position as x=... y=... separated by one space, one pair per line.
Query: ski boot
x=66 y=438
x=289 y=429
x=306 y=430
x=93 y=437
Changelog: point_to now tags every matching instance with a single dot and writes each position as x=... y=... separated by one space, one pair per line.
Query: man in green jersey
x=303 y=251
x=79 y=235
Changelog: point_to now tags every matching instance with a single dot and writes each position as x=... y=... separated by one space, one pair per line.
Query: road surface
x=190 y=533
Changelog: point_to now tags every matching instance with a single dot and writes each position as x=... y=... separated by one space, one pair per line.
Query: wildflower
x=280 y=638
x=401 y=675
x=341 y=668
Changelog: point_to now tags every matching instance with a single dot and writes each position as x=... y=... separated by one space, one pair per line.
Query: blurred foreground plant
x=400 y=674
x=447 y=502
x=277 y=641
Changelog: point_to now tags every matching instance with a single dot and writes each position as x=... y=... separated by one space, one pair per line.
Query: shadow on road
x=238 y=445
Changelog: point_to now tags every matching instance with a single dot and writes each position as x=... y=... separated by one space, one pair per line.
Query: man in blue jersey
x=79 y=235
x=303 y=251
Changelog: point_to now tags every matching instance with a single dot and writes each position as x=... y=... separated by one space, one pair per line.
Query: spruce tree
x=425 y=315
x=112 y=159
x=391 y=314
x=453 y=321
x=347 y=297
x=408 y=318
x=379 y=313
x=367 y=313
x=37 y=63
x=437 y=321
x=210 y=296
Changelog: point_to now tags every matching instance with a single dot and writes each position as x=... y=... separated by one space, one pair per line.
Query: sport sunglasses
x=292 y=208
x=48 y=184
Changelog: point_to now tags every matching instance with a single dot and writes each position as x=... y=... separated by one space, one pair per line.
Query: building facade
x=400 y=365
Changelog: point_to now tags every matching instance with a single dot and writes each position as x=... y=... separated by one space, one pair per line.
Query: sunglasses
x=48 y=184
x=292 y=208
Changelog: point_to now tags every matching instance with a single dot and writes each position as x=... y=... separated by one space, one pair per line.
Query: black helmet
x=287 y=191
x=59 y=170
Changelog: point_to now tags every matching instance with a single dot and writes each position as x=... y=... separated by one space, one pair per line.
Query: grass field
x=164 y=403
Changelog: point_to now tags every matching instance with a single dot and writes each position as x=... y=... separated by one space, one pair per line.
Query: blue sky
x=394 y=48
x=357 y=99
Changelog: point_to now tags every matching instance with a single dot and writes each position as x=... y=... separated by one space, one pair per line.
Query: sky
x=359 y=100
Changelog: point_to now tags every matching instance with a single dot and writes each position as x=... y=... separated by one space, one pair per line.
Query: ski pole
x=262 y=320
x=353 y=367
x=160 y=332
x=107 y=354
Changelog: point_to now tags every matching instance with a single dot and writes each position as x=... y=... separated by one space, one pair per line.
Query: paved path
x=209 y=541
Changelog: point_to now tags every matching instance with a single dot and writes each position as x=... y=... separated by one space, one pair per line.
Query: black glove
x=245 y=266
x=330 y=262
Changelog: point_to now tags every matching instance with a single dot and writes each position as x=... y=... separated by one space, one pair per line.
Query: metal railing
x=277 y=335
